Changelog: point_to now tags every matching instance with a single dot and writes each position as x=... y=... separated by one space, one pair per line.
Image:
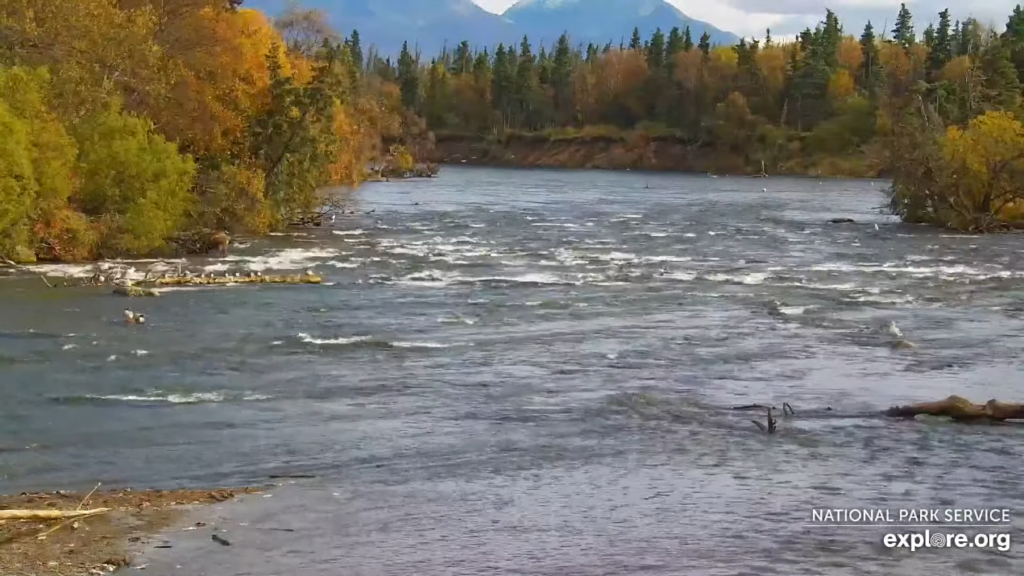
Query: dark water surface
x=530 y=373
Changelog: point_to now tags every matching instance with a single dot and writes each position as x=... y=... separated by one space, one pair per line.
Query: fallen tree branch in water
x=787 y=409
x=253 y=278
x=955 y=408
x=16 y=266
x=772 y=424
x=139 y=291
x=960 y=409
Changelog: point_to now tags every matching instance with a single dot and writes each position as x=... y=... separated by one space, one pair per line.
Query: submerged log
x=956 y=408
x=960 y=409
x=225 y=280
x=135 y=291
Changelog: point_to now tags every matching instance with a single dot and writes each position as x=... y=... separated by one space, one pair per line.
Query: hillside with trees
x=936 y=110
x=138 y=127
x=133 y=126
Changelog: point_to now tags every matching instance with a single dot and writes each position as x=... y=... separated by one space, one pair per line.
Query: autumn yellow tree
x=131 y=122
x=983 y=167
x=967 y=178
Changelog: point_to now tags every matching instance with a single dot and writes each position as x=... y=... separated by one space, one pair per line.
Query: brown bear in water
x=219 y=241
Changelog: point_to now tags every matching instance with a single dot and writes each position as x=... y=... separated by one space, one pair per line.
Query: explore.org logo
x=929 y=539
x=944 y=527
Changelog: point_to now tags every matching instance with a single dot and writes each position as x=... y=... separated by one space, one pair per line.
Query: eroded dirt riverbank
x=99 y=543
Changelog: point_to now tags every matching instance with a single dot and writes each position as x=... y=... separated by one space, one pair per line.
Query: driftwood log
x=136 y=291
x=224 y=280
x=955 y=408
x=960 y=409
x=48 y=514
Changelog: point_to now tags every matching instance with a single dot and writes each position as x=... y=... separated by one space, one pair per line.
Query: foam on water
x=157 y=397
x=369 y=340
x=286 y=259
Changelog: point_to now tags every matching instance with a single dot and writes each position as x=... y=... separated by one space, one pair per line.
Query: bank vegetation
x=935 y=110
x=140 y=127
x=129 y=125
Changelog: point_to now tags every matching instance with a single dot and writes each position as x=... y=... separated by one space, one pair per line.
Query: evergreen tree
x=482 y=68
x=502 y=82
x=941 y=50
x=687 y=39
x=561 y=77
x=805 y=40
x=356 y=49
x=747 y=68
x=970 y=37
x=956 y=39
x=656 y=51
x=1013 y=38
x=871 y=67
x=526 y=85
x=674 y=45
x=543 y=67
x=903 y=33
x=635 y=42
x=827 y=38
x=705 y=44
x=408 y=77
x=462 y=62
x=1001 y=83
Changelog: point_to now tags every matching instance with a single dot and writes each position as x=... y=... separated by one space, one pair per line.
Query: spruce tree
x=705 y=44
x=903 y=33
x=634 y=42
x=408 y=77
x=942 y=46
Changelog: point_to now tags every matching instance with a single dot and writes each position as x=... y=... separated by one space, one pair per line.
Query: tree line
x=128 y=123
x=828 y=102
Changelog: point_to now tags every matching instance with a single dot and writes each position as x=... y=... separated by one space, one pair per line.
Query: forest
x=936 y=112
x=133 y=127
x=139 y=127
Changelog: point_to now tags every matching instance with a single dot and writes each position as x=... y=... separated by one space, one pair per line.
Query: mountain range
x=429 y=25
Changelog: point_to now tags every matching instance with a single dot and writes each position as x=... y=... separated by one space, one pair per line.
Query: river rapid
x=531 y=372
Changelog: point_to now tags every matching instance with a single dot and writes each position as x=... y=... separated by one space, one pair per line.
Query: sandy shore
x=97 y=544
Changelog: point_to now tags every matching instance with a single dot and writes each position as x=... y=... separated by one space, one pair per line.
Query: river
x=530 y=372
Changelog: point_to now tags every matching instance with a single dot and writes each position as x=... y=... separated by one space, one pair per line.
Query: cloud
x=496 y=6
x=797 y=14
x=787 y=17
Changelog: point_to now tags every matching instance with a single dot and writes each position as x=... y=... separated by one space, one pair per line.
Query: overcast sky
x=785 y=17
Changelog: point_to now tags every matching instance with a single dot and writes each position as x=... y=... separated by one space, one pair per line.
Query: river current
x=531 y=372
